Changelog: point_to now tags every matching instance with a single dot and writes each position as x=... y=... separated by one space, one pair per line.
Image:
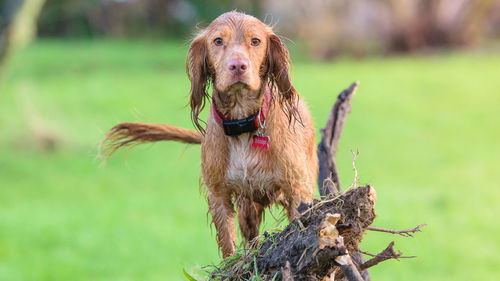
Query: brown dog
x=258 y=147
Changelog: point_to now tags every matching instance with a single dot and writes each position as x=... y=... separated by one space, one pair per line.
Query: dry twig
x=386 y=254
x=402 y=232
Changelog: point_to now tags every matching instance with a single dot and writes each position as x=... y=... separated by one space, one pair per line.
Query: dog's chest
x=248 y=168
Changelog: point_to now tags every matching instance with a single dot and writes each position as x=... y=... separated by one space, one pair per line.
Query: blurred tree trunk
x=17 y=25
x=7 y=13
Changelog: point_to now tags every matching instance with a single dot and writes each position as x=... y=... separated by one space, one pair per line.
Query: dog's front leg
x=222 y=211
x=249 y=218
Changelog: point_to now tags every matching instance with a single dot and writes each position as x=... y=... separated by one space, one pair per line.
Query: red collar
x=237 y=127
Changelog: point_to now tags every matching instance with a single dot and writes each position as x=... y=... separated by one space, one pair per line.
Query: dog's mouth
x=237 y=85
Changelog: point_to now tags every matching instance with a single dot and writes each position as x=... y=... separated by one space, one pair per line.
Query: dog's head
x=238 y=51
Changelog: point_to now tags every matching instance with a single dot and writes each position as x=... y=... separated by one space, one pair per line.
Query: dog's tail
x=126 y=134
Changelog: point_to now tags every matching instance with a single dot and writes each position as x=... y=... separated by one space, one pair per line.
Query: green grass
x=427 y=129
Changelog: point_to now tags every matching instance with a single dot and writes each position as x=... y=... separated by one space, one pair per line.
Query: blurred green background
x=425 y=123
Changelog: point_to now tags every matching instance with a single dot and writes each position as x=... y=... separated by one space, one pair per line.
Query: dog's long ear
x=198 y=73
x=278 y=74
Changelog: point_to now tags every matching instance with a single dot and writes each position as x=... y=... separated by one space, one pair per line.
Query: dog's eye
x=255 y=42
x=218 y=41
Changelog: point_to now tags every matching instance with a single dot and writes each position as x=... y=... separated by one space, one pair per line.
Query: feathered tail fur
x=125 y=134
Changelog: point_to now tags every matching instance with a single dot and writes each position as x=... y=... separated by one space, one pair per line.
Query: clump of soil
x=297 y=247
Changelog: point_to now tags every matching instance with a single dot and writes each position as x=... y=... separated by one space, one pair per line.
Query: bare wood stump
x=308 y=248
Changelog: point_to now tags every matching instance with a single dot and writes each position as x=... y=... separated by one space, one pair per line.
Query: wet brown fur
x=234 y=172
x=132 y=133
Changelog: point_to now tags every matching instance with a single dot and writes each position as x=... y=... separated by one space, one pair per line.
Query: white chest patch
x=245 y=171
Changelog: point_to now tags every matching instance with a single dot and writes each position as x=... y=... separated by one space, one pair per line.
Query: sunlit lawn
x=426 y=127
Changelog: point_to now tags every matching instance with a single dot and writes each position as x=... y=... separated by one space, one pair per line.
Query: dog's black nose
x=237 y=67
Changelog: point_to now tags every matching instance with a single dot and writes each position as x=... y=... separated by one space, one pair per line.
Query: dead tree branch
x=328 y=178
x=402 y=232
x=386 y=254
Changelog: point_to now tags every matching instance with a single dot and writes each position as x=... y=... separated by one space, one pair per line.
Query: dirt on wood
x=299 y=243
